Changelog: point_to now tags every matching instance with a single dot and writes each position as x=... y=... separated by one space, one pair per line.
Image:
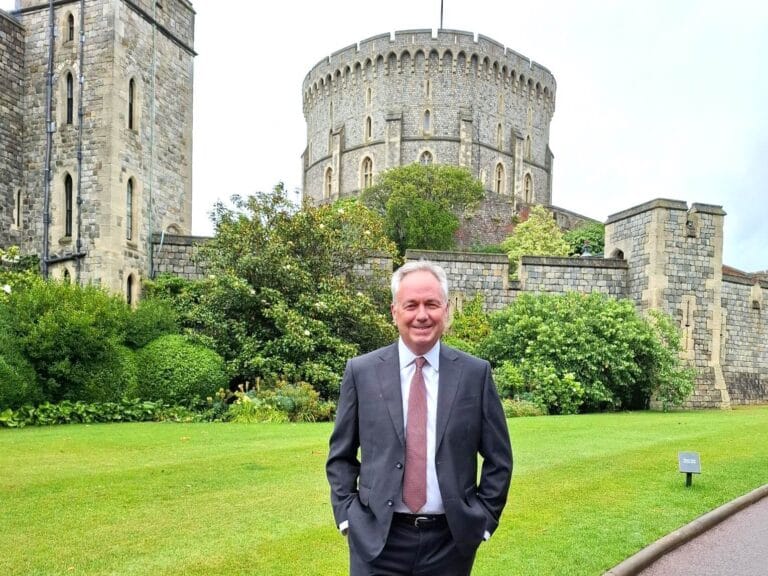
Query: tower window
x=66 y=276
x=131 y=103
x=129 y=290
x=368 y=128
x=499 y=137
x=70 y=28
x=129 y=210
x=427 y=122
x=528 y=188
x=499 y=179
x=328 y=183
x=528 y=147
x=68 y=205
x=368 y=96
x=426 y=158
x=17 y=211
x=367 y=172
x=70 y=98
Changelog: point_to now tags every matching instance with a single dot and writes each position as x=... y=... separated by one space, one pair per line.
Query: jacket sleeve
x=343 y=466
x=496 y=450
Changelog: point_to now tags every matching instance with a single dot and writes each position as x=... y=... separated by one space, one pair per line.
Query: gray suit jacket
x=470 y=421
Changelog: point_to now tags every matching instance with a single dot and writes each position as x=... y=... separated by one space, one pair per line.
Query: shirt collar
x=407 y=357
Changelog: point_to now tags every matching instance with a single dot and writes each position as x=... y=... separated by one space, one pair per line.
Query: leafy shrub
x=590 y=235
x=539 y=235
x=578 y=352
x=469 y=327
x=175 y=370
x=109 y=381
x=284 y=403
x=515 y=408
x=508 y=379
x=126 y=410
x=249 y=410
x=69 y=334
x=151 y=319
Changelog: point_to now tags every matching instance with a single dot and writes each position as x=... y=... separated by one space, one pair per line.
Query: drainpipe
x=80 y=116
x=49 y=129
x=152 y=142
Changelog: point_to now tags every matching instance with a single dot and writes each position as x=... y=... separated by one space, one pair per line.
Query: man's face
x=420 y=311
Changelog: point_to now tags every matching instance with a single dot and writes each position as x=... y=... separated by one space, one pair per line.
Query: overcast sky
x=657 y=98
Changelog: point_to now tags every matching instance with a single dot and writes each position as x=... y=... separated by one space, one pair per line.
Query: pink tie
x=415 y=481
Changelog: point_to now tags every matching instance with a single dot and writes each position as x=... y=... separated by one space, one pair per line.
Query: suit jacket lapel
x=448 y=385
x=390 y=392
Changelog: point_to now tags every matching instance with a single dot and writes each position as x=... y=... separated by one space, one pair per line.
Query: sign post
x=690 y=464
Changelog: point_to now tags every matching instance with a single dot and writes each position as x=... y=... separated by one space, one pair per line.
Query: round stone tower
x=416 y=96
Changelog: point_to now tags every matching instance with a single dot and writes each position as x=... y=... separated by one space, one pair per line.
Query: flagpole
x=441 y=14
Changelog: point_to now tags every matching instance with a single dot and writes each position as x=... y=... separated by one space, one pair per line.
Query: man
x=420 y=413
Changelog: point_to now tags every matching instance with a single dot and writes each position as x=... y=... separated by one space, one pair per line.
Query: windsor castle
x=96 y=168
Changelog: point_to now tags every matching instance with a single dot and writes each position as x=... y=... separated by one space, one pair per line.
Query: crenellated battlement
x=422 y=52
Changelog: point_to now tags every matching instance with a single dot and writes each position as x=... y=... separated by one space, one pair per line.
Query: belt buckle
x=420 y=519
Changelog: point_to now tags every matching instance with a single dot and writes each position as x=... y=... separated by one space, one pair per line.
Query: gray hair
x=416 y=266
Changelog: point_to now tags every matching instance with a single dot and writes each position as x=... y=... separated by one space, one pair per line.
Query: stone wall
x=745 y=339
x=560 y=275
x=177 y=255
x=11 y=127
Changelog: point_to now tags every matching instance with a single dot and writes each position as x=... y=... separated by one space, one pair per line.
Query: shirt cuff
x=344 y=528
x=487 y=536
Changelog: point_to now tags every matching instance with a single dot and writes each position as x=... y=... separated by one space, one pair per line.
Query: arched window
x=129 y=290
x=68 y=205
x=428 y=89
x=367 y=173
x=330 y=142
x=368 y=128
x=499 y=137
x=70 y=98
x=426 y=158
x=499 y=182
x=131 y=103
x=328 y=183
x=528 y=147
x=66 y=276
x=427 y=122
x=528 y=188
x=129 y=210
x=70 y=28
x=368 y=96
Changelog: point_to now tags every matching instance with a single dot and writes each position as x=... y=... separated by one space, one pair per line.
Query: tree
x=283 y=299
x=589 y=234
x=421 y=204
x=539 y=235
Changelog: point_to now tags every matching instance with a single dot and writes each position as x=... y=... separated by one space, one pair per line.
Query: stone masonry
x=11 y=127
x=445 y=98
x=121 y=153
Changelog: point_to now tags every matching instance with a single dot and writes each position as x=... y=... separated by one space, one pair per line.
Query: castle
x=96 y=134
x=95 y=168
x=446 y=98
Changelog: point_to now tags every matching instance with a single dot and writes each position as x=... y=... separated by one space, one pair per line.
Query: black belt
x=422 y=521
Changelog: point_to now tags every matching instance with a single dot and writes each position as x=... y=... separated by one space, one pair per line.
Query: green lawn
x=207 y=499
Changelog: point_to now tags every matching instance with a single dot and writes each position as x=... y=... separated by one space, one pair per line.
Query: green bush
x=173 y=369
x=508 y=379
x=151 y=319
x=578 y=352
x=126 y=410
x=469 y=326
x=282 y=403
x=109 y=381
x=514 y=408
x=69 y=334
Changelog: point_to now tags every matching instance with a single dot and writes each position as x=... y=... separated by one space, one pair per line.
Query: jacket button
x=390 y=503
x=399 y=465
